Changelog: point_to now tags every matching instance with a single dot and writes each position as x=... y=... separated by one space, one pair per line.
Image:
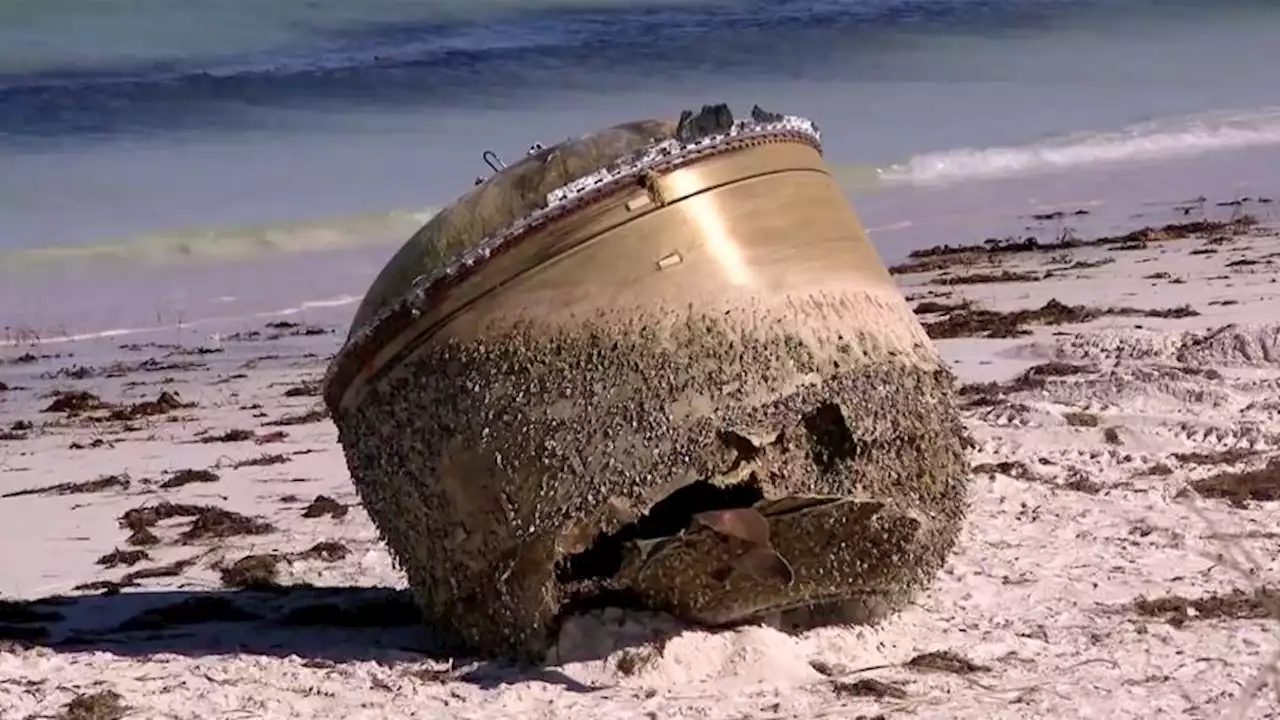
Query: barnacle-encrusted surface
x=508 y=474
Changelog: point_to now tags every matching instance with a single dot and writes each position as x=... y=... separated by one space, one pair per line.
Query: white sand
x=1036 y=591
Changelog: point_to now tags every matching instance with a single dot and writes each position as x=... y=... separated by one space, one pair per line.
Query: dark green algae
x=510 y=476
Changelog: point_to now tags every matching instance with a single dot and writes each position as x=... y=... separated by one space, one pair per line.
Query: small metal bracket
x=492 y=160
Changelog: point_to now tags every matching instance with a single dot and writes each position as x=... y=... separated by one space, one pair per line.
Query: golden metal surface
x=515 y=193
x=749 y=226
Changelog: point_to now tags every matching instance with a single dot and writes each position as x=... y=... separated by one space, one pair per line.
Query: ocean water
x=210 y=161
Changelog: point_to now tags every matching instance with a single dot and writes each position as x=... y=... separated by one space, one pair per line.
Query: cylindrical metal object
x=551 y=421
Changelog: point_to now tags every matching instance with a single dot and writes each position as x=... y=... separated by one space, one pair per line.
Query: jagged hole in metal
x=668 y=517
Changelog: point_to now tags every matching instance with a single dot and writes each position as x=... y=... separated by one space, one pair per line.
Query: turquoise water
x=144 y=132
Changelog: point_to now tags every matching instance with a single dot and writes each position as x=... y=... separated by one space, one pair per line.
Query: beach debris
x=979 y=322
x=306 y=389
x=1232 y=605
x=1035 y=377
x=940 y=257
x=869 y=687
x=1056 y=215
x=173 y=569
x=931 y=307
x=1004 y=276
x=255 y=572
x=165 y=402
x=948 y=661
x=215 y=522
x=12 y=334
x=207 y=521
x=1078 y=480
x=230 y=436
x=132 y=577
x=1012 y=468
x=278 y=330
x=17 y=430
x=75 y=402
x=122 y=369
x=1229 y=456
x=325 y=505
x=1078 y=418
x=310 y=416
x=283 y=329
x=1261 y=485
x=142 y=537
x=261 y=461
x=78 y=402
x=151 y=515
x=188 y=477
x=262 y=571
x=325 y=551
x=631 y=661
x=100 y=705
x=119 y=557
x=101 y=484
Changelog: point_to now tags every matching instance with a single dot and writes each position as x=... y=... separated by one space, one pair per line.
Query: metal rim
x=352 y=361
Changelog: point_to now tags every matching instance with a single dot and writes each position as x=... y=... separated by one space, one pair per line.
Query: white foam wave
x=333 y=302
x=1144 y=141
x=54 y=339
x=900 y=225
x=232 y=243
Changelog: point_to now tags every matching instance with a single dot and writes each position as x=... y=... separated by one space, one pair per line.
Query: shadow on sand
x=322 y=625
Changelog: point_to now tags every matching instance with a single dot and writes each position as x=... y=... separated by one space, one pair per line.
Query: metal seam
x=352 y=360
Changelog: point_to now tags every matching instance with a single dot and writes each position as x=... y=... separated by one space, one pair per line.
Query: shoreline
x=1089 y=579
x=222 y=297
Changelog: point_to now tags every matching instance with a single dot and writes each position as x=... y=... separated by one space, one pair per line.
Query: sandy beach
x=180 y=538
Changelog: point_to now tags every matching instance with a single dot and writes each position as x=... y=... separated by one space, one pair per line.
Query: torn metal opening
x=603 y=558
x=730 y=519
x=830 y=442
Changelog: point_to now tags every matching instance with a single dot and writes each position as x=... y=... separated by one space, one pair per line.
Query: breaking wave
x=230 y=243
x=1145 y=141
